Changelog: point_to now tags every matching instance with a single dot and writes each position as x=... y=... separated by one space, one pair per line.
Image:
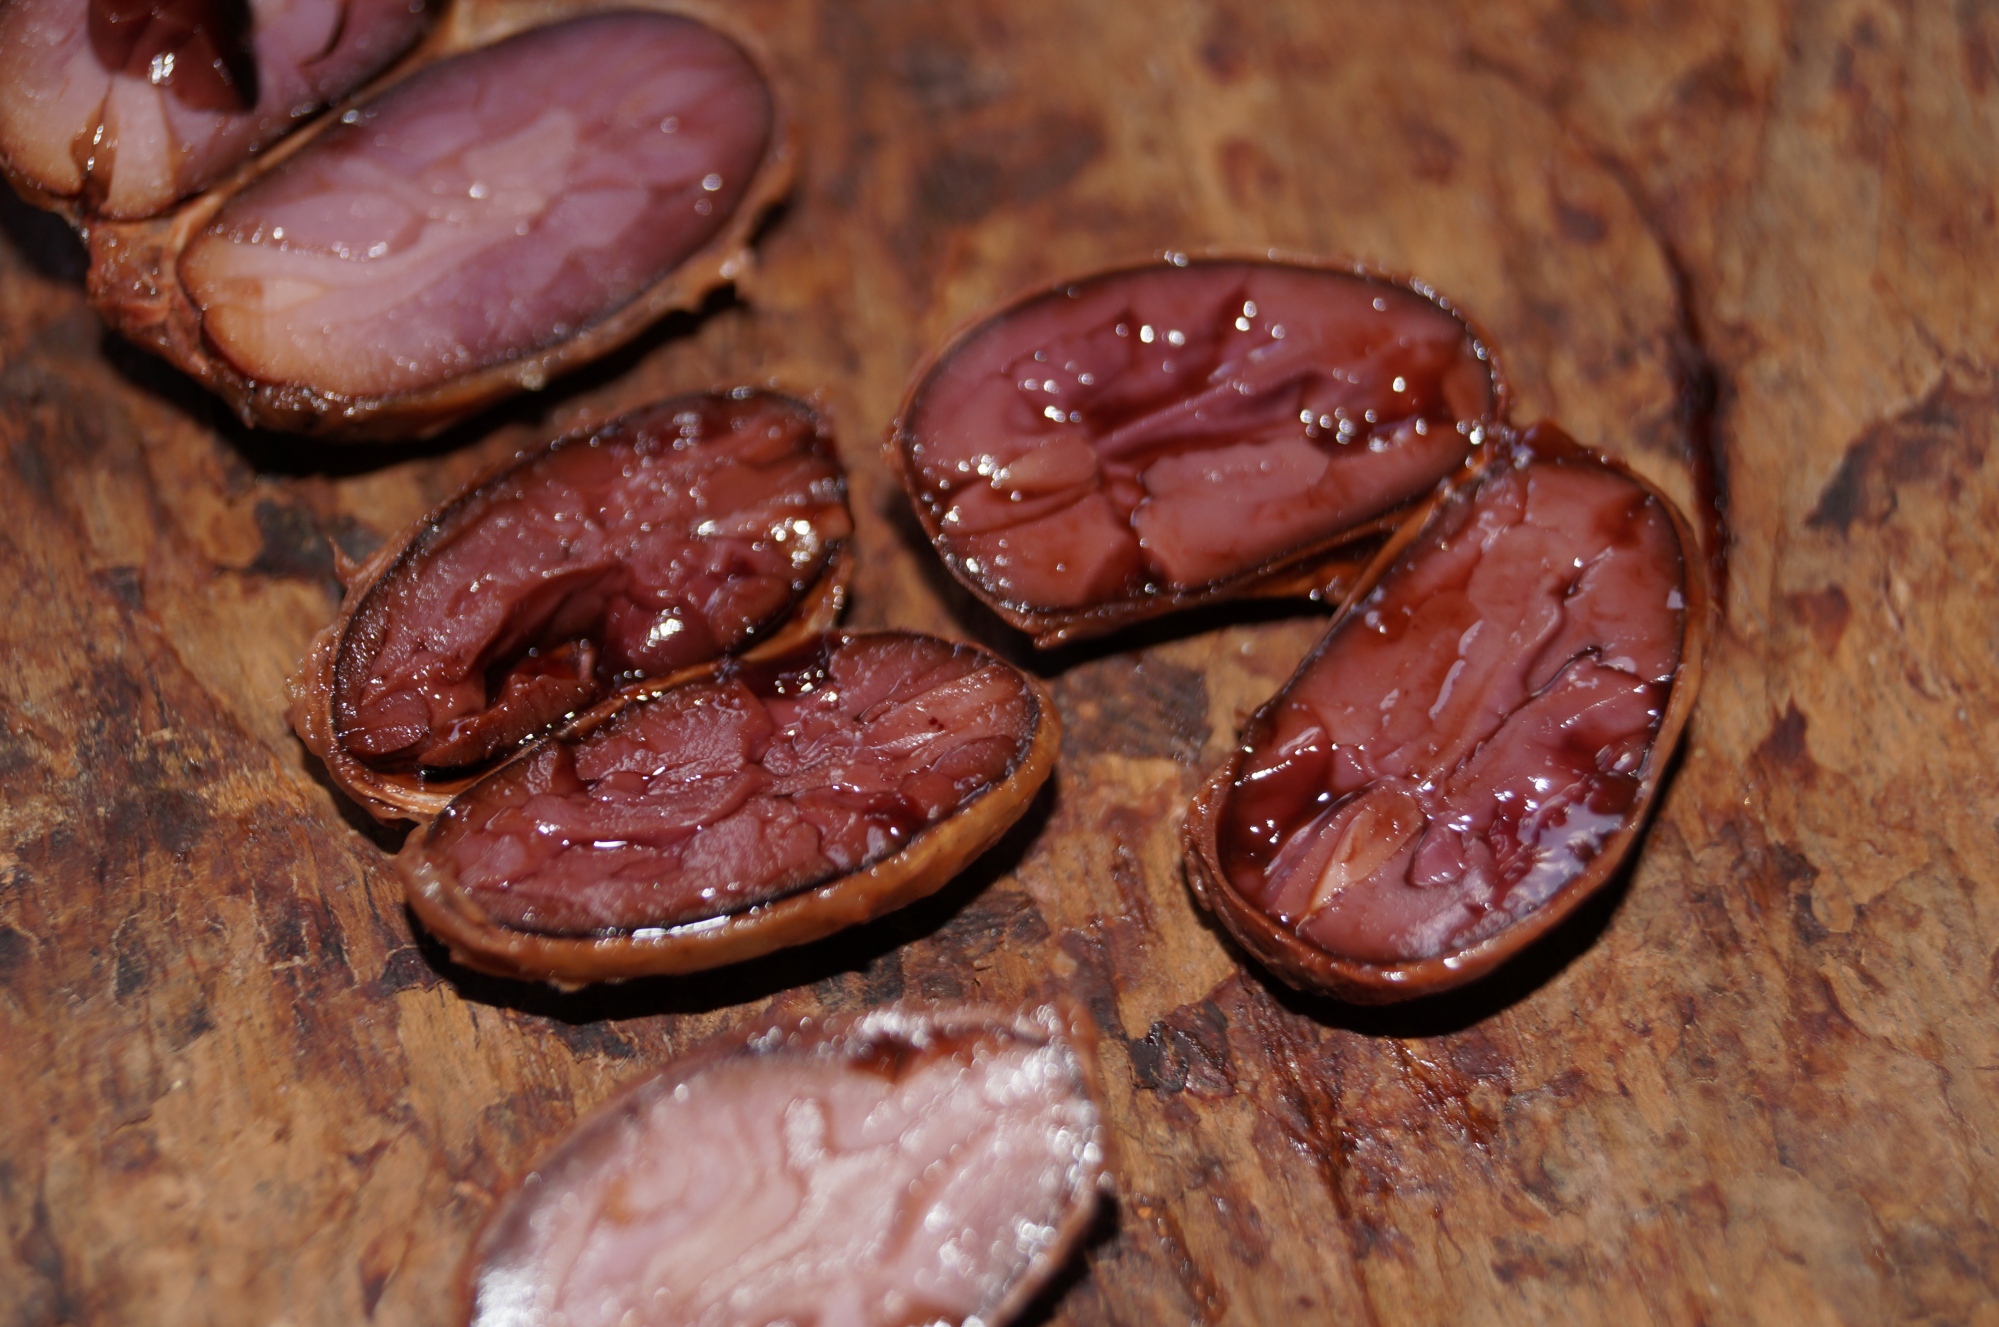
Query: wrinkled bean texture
x=902 y=1173
x=490 y=205
x=1473 y=731
x=669 y=537
x=128 y=108
x=1166 y=429
x=766 y=779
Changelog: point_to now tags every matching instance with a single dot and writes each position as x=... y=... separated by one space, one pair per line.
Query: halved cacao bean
x=1159 y=437
x=118 y=109
x=704 y=525
x=1473 y=748
x=743 y=807
x=500 y=214
x=902 y=1166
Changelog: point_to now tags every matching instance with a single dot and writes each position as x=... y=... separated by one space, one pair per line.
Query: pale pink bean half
x=896 y=1168
x=489 y=206
x=129 y=137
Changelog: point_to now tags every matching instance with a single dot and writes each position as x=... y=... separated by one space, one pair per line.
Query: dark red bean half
x=694 y=528
x=1157 y=437
x=1473 y=747
x=895 y=1168
x=488 y=220
x=752 y=805
x=121 y=108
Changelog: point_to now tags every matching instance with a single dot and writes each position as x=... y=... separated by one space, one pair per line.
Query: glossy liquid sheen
x=667 y=538
x=760 y=782
x=1165 y=429
x=1469 y=736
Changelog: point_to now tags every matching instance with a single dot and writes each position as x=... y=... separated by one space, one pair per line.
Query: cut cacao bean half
x=704 y=525
x=1473 y=747
x=1159 y=437
x=498 y=215
x=744 y=807
x=903 y=1166
x=118 y=109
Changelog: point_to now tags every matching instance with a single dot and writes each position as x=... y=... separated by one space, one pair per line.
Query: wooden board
x=1755 y=1083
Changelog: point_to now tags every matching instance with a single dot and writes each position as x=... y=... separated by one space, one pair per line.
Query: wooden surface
x=1755 y=1084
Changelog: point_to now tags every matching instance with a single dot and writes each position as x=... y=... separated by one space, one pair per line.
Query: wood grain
x=1746 y=246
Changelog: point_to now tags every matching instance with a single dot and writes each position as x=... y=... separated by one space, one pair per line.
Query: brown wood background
x=1756 y=1084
